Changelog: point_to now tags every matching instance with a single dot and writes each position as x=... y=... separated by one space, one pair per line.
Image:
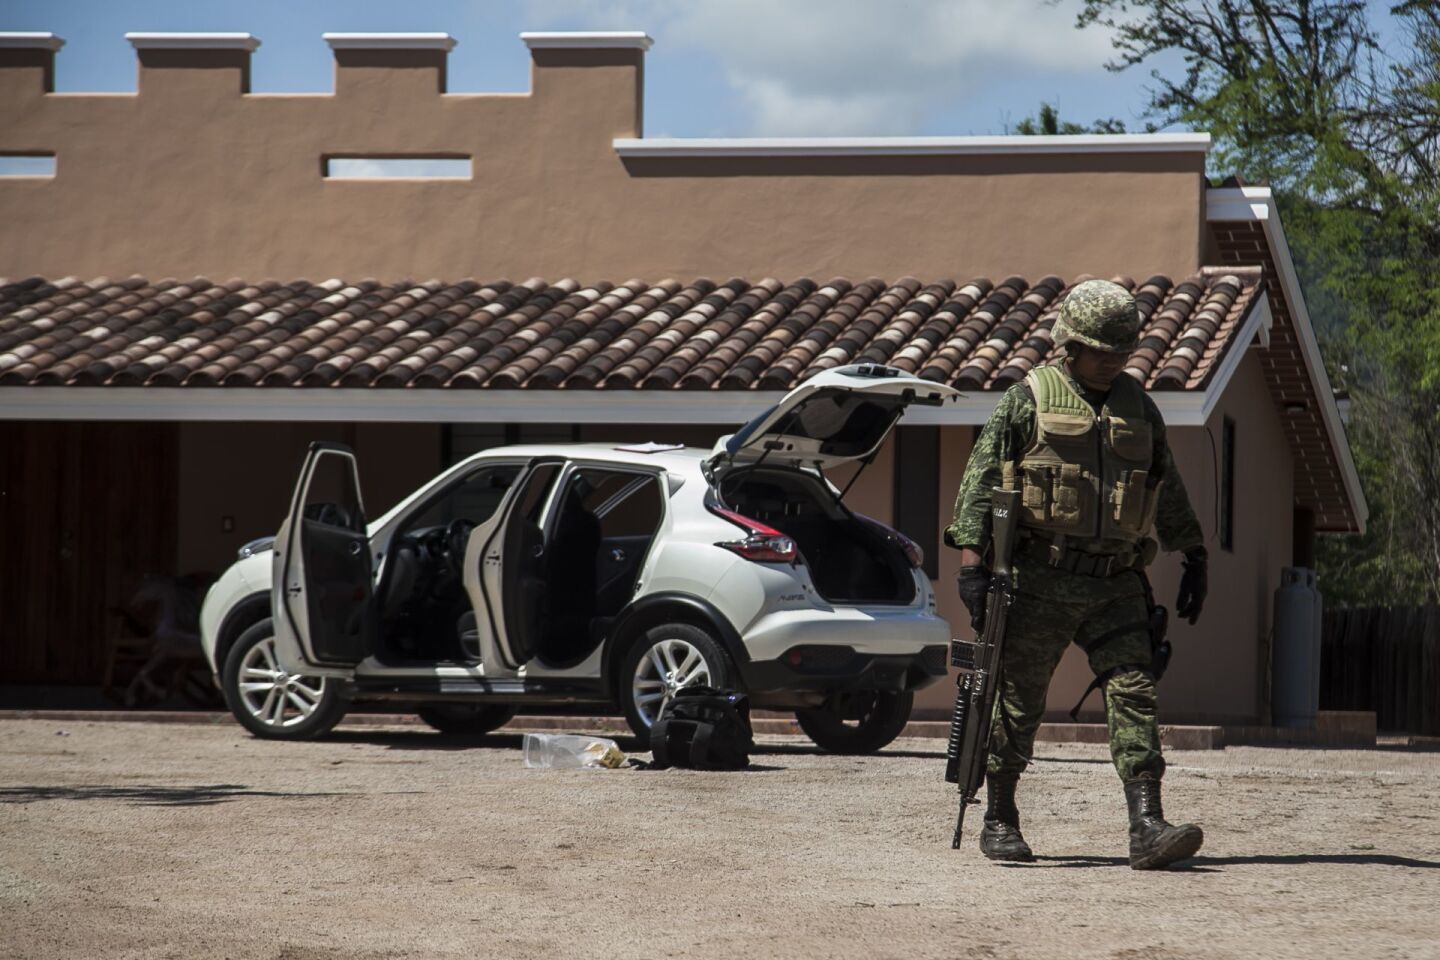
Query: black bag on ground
x=702 y=728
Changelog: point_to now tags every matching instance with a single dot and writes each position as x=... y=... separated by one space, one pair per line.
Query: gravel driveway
x=149 y=840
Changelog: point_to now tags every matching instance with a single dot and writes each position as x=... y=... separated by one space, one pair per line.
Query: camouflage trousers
x=1108 y=618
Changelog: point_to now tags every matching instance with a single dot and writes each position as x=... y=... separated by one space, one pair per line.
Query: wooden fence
x=1385 y=659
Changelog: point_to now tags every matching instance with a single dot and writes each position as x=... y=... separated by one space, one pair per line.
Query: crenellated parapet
x=27 y=64
x=197 y=174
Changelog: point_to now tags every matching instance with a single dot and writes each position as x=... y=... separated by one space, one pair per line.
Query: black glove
x=974 y=583
x=1194 y=583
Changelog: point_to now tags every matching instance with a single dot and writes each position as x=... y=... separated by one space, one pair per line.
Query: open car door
x=511 y=564
x=323 y=582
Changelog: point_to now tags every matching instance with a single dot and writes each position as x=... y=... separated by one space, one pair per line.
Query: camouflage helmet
x=1099 y=314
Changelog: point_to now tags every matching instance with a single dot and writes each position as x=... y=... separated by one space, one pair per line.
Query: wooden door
x=86 y=510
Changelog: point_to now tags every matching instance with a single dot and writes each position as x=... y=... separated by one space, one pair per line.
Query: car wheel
x=666 y=659
x=268 y=701
x=466 y=719
x=860 y=722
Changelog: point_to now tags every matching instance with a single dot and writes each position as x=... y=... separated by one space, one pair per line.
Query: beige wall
x=247 y=471
x=1225 y=657
x=192 y=176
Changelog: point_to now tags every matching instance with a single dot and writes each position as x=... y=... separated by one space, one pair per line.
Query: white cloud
x=832 y=67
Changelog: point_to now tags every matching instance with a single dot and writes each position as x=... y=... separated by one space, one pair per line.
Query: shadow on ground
x=142 y=795
x=424 y=739
x=1203 y=864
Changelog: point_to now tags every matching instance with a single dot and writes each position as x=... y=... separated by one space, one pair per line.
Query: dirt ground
x=150 y=840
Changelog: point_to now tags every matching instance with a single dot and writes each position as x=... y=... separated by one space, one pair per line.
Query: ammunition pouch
x=1086 y=473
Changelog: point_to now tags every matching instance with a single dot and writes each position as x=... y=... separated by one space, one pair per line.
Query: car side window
x=475 y=498
x=333 y=498
x=626 y=504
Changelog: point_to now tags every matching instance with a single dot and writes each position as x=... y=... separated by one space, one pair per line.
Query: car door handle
x=355 y=548
x=618 y=555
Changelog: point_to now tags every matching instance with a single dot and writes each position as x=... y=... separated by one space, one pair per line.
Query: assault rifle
x=979 y=663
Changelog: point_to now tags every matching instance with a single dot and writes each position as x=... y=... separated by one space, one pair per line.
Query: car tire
x=466 y=719
x=673 y=644
x=872 y=722
x=258 y=691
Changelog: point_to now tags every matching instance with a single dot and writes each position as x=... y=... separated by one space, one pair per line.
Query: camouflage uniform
x=1106 y=615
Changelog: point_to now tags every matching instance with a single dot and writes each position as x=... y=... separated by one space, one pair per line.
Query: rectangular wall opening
x=396 y=168
x=27 y=164
x=1227 y=484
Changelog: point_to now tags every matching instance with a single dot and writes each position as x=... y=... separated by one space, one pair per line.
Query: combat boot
x=1153 y=842
x=1000 y=838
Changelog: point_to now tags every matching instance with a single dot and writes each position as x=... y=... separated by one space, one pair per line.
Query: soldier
x=1086 y=446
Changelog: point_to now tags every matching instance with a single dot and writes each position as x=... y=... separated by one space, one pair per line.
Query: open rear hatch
x=839 y=415
x=771 y=471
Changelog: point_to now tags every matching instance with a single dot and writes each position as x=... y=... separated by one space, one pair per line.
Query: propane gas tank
x=1295 y=667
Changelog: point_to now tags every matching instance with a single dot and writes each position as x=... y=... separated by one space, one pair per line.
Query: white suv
x=589 y=576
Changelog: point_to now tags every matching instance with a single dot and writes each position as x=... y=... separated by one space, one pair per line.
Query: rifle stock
x=979 y=665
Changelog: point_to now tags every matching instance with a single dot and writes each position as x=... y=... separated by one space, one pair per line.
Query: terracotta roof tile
x=568 y=334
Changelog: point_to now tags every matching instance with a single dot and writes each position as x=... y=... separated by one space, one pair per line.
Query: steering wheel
x=452 y=546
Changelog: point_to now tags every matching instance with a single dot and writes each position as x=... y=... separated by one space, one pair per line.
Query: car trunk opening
x=850 y=559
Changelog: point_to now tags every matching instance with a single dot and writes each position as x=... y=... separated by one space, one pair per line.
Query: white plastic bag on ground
x=560 y=751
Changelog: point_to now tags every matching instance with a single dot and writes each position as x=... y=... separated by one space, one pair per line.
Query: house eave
x=371 y=405
x=1125 y=143
x=1257 y=204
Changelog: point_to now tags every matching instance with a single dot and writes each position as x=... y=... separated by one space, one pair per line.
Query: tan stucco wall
x=955 y=442
x=247 y=471
x=192 y=176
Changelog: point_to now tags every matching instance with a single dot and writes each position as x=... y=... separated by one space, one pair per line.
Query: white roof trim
x=912 y=146
x=362 y=405
x=588 y=40
x=13 y=39
x=1257 y=204
x=389 y=41
x=1258 y=322
x=193 y=41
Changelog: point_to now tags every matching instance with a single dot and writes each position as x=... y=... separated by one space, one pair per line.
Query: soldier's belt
x=1046 y=551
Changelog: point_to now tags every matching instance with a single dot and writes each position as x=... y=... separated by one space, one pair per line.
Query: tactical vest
x=1085 y=476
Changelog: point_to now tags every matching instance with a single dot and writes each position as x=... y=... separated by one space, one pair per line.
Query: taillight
x=763 y=544
x=913 y=552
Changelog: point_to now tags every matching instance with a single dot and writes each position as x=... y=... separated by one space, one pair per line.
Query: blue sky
x=718 y=67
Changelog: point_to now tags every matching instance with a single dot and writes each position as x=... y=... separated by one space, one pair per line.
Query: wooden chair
x=154 y=645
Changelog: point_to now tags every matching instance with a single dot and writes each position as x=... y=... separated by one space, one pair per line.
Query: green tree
x=1048 y=123
x=1302 y=95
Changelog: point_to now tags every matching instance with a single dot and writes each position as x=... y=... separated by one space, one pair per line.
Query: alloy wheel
x=273 y=696
x=667 y=667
